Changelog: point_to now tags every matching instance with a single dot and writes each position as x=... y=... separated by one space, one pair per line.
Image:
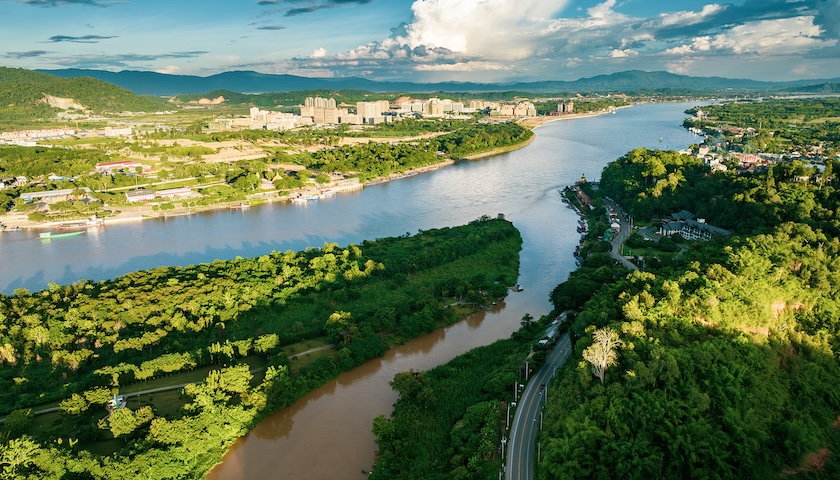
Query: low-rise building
x=183 y=192
x=111 y=167
x=139 y=195
x=685 y=224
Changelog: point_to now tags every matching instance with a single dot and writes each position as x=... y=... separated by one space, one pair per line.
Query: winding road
x=522 y=449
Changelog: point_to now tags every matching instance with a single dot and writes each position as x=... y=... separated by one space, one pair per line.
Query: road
x=622 y=235
x=174 y=387
x=521 y=448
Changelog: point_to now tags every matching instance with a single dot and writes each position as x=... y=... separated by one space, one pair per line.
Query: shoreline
x=145 y=212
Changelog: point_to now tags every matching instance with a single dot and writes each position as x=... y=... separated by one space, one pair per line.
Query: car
x=542 y=387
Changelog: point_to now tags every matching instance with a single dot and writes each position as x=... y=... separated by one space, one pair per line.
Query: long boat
x=51 y=235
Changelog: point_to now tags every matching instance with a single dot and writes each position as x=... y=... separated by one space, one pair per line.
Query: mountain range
x=152 y=83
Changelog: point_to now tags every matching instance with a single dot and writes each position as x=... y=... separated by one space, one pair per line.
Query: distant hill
x=827 y=87
x=151 y=83
x=25 y=90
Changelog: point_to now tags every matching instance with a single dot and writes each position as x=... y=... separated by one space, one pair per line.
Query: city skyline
x=428 y=40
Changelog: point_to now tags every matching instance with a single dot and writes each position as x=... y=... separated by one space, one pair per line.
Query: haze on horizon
x=428 y=40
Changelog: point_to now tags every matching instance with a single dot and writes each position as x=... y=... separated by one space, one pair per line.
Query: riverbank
x=499 y=151
x=136 y=213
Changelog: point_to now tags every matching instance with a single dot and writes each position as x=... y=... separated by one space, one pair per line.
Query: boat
x=51 y=235
x=517 y=288
x=93 y=221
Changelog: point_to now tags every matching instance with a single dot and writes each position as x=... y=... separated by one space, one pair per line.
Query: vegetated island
x=229 y=330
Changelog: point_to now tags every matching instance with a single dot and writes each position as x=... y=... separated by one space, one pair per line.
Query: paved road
x=173 y=387
x=521 y=448
x=622 y=236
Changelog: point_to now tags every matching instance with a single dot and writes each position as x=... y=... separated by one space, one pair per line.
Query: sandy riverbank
x=534 y=122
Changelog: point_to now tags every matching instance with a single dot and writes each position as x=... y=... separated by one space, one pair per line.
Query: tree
x=121 y=422
x=601 y=354
x=18 y=421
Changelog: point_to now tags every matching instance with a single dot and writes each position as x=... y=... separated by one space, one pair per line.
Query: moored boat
x=51 y=235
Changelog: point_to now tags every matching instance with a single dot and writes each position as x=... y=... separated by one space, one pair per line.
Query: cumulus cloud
x=318 y=53
x=441 y=37
x=690 y=18
x=527 y=37
x=617 y=53
x=785 y=36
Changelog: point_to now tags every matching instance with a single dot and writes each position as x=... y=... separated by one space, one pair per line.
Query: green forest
x=725 y=360
x=722 y=361
x=22 y=93
x=74 y=346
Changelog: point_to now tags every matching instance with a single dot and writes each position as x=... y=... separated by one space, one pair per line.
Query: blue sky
x=428 y=40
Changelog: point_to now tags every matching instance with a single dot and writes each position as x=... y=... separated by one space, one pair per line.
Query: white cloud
x=681 y=50
x=573 y=62
x=690 y=18
x=617 y=53
x=509 y=39
x=470 y=66
x=635 y=39
x=602 y=10
x=785 y=36
x=681 y=67
x=169 y=69
x=479 y=27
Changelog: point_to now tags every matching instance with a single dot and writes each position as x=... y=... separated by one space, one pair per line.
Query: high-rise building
x=566 y=107
x=319 y=102
x=369 y=109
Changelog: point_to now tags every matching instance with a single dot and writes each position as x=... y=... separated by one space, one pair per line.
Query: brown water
x=326 y=434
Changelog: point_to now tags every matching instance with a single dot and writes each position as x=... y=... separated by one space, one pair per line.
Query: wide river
x=327 y=433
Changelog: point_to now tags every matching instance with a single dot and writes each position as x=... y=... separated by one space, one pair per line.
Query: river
x=327 y=433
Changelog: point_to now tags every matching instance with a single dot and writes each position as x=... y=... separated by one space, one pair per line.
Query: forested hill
x=23 y=90
x=246 y=81
x=721 y=363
